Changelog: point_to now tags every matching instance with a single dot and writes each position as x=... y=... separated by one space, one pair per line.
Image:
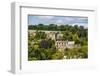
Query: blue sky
x=33 y=19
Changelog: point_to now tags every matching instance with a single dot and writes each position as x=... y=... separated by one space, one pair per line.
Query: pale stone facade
x=64 y=44
x=31 y=33
x=51 y=35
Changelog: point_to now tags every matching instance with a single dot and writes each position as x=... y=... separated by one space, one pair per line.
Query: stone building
x=64 y=44
x=31 y=33
x=58 y=37
x=51 y=35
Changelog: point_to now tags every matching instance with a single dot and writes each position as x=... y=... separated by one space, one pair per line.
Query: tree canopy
x=42 y=48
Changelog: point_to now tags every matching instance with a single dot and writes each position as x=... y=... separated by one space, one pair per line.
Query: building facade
x=64 y=44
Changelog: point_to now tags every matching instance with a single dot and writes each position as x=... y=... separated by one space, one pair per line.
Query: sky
x=81 y=21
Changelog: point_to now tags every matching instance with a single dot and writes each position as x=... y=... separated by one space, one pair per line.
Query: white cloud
x=59 y=21
x=45 y=17
x=82 y=19
x=69 y=19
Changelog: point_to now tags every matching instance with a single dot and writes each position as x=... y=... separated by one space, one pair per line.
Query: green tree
x=57 y=55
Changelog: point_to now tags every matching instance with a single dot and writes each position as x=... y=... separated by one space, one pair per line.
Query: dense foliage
x=41 y=48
